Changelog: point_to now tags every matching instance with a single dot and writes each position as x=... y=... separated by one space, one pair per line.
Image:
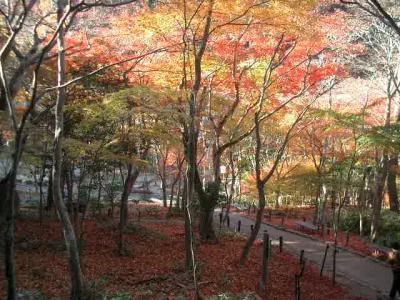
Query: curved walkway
x=365 y=277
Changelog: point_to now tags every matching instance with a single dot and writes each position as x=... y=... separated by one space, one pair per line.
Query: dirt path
x=365 y=277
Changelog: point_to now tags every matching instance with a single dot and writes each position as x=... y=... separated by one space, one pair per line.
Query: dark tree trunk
x=179 y=198
x=391 y=184
x=362 y=198
x=207 y=232
x=7 y=213
x=164 y=191
x=123 y=213
x=188 y=256
x=380 y=178
x=208 y=199
x=50 y=202
x=257 y=225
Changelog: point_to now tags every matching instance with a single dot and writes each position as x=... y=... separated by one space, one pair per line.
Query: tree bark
x=49 y=200
x=130 y=179
x=380 y=178
x=391 y=183
x=257 y=225
x=164 y=191
x=76 y=275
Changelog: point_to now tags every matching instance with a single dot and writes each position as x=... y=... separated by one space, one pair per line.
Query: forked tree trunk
x=76 y=276
x=123 y=213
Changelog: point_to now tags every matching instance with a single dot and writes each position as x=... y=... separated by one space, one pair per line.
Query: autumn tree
x=28 y=41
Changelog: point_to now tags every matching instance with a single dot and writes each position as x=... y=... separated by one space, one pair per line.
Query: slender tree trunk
x=362 y=199
x=76 y=276
x=232 y=186
x=277 y=198
x=42 y=175
x=317 y=204
x=49 y=200
x=391 y=183
x=188 y=260
x=380 y=178
x=324 y=199
x=99 y=189
x=9 y=183
x=179 y=198
x=260 y=191
x=172 y=191
x=123 y=213
x=164 y=191
x=171 y=196
x=257 y=225
x=381 y=174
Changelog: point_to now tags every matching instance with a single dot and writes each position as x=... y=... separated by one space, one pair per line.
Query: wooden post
x=347 y=237
x=280 y=244
x=302 y=262
x=228 y=221
x=324 y=259
x=238 y=225
x=297 y=287
x=220 y=221
x=335 y=251
x=270 y=250
x=265 y=255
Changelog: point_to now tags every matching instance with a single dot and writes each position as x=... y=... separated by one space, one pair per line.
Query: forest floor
x=154 y=265
x=355 y=242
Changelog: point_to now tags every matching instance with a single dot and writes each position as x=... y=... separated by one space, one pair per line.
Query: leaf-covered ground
x=154 y=267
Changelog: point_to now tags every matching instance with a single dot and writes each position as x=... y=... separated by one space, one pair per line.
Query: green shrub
x=389 y=227
x=350 y=221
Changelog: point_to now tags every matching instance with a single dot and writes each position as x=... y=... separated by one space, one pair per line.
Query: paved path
x=365 y=277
